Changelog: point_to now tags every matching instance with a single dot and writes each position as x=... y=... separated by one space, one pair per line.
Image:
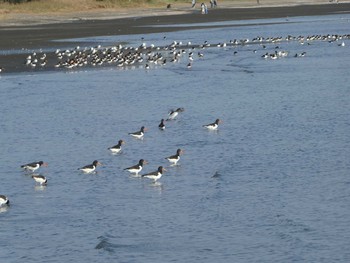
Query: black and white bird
x=90 y=168
x=139 y=134
x=162 y=125
x=135 y=169
x=33 y=166
x=175 y=158
x=117 y=148
x=214 y=125
x=174 y=113
x=155 y=175
x=4 y=200
x=40 y=179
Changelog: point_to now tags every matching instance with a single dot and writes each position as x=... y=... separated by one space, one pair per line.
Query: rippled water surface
x=271 y=185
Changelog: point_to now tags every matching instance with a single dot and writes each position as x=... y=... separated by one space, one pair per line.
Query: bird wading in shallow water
x=213 y=126
x=90 y=168
x=117 y=148
x=40 y=179
x=175 y=158
x=139 y=134
x=135 y=169
x=155 y=175
x=33 y=166
x=174 y=113
x=161 y=125
x=4 y=200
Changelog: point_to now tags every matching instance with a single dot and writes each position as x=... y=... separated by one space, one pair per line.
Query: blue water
x=271 y=185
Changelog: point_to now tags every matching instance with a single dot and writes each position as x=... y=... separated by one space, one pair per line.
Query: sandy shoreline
x=22 y=19
x=34 y=36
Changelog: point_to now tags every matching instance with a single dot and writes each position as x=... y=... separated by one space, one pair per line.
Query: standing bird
x=4 y=200
x=155 y=175
x=173 y=113
x=162 y=125
x=175 y=158
x=135 y=169
x=40 y=179
x=139 y=134
x=90 y=168
x=33 y=166
x=213 y=126
x=117 y=148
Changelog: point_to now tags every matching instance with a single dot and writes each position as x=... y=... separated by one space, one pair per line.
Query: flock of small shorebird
x=116 y=149
x=127 y=56
x=145 y=56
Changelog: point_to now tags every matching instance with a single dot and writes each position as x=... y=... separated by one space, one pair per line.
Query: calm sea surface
x=271 y=185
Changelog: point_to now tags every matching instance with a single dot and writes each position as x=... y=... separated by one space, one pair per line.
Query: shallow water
x=272 y=185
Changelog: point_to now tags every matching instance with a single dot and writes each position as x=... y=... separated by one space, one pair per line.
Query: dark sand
x=34 y=37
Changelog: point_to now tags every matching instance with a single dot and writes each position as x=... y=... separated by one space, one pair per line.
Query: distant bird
x=266 y=55
x=135 y=169
x=4 y=200
x=174 y=113
x=90 y=168
x=28 y=60
x=216 y=175
x=155 y=175
x=33 y=166
x=139 y=134
x=40 y=179
x=117 y=148
x=213 y=126
x=175 y=158
x=162 y=125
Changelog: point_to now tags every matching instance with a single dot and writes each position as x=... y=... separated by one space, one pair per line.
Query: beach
x=29 y=32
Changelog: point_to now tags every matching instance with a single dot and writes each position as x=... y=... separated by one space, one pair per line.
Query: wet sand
x=34 y=37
